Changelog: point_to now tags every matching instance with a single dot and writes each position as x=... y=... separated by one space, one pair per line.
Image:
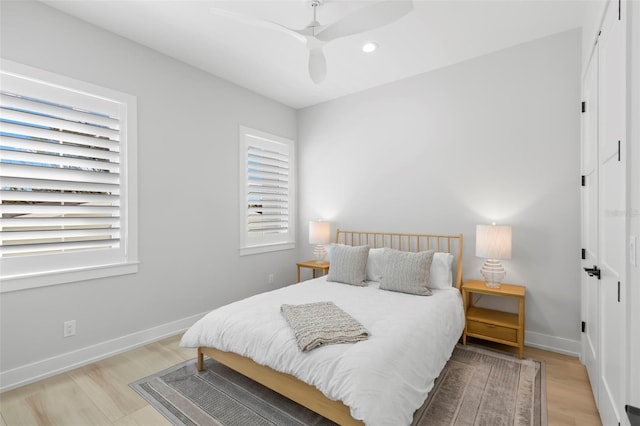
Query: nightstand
x=489 y=324
x=315 y=266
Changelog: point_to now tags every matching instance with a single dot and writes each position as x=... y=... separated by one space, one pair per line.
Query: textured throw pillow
x=441 y=275
x=375 y=264
x=348 y=264
x=407 y=272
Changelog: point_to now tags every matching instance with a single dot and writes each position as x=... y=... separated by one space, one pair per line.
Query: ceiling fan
x=314 y=36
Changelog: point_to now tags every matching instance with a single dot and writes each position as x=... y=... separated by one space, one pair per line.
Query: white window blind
x=63 y=181
x=268 y=183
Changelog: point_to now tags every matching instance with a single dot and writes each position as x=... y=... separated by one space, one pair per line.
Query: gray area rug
x=477 y=387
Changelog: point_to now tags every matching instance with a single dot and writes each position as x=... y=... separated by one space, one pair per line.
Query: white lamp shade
x=319 y=232
x=493 y=241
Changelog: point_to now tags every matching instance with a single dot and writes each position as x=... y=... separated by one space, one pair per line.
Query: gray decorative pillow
x=407 y=272
x=348 y=264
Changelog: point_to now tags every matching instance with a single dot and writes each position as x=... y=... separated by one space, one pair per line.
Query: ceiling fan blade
x=365 y=19
x=317 y=65
x=256 y=22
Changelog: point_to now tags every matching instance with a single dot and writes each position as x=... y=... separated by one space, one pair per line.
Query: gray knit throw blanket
x=322 y=323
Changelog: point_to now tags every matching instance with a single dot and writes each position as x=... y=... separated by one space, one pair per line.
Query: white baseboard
x=39 y=370
x=552 y=343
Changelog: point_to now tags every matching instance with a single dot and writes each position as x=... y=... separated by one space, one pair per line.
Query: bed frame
x=303 y=393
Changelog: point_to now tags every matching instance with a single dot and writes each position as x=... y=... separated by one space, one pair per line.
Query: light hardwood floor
x=99 y=393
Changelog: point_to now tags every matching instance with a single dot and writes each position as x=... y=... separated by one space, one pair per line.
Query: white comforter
x=383 y=379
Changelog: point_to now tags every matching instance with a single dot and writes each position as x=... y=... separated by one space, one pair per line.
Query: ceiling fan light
x=369 y=47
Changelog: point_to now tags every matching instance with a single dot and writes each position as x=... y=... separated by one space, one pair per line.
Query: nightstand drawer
x=490 y=330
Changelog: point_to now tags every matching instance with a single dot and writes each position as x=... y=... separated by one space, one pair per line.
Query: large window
x=267 y=183
x=68 y=189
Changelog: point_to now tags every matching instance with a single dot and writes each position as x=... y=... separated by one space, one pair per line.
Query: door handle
x=593 y=272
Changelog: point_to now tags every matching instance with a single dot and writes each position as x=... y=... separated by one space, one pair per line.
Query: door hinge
x=583 y=180
x=618 y=150
x=584 y=106
x=584 y=254
x=619 y=15
x=583 y=326
x=618 y=291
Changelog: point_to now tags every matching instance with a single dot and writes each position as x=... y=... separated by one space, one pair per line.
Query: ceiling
x=433 y=35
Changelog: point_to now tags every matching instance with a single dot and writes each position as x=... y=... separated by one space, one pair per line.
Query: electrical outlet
x=270 y=278
x=69 y=328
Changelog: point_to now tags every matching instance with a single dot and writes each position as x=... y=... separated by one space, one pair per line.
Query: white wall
x=495 y=138
x=188 y=199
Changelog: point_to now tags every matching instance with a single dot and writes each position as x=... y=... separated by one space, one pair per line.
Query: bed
x=379 y=381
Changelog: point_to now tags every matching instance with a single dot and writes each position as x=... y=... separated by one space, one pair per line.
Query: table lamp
x=319 y=234
x=493 y=242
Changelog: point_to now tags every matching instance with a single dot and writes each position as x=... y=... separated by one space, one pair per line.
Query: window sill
x=247 y=251
x=30 y=281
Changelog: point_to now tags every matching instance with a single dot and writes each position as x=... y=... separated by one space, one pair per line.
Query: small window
x=67 y=194
x=267 y=182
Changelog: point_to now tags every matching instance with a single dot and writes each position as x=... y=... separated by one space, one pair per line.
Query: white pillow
x=441 y=275
x=375 y=264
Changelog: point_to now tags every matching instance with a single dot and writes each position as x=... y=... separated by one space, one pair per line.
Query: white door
x=590 y=286
x=612 y=217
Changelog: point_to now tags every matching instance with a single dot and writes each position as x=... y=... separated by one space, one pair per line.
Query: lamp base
x=493 y=273
x=319 y=252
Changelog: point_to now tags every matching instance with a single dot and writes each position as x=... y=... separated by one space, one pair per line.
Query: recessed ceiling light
x=369 y=47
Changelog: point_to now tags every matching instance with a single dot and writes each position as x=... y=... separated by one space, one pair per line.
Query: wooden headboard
x=408 y=242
